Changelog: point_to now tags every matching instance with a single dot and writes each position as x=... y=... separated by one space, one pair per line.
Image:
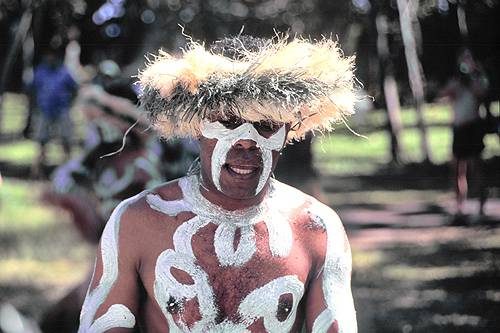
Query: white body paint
x=261 y=303
x=228 y=137
x=118 y=315
x=336 y=276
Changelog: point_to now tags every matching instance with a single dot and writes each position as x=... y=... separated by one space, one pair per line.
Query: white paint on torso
x=336 y=274
x=120 y=315
x=262 y=302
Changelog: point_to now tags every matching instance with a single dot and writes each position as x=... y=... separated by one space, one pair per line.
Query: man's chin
x=239 y=194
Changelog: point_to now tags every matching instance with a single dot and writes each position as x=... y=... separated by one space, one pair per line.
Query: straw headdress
x=310 y=85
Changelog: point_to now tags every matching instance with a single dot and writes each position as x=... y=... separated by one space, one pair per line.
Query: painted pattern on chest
x=263 y=302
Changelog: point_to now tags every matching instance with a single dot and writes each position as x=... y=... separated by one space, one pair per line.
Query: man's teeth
x=241 y=171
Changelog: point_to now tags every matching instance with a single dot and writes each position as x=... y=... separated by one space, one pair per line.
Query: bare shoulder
x=306 y=210
x=315 y=224
x=150 y=211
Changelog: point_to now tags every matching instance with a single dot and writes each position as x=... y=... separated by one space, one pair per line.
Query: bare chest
x=224 y=277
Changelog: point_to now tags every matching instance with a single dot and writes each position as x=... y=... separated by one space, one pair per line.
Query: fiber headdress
x=310 y=85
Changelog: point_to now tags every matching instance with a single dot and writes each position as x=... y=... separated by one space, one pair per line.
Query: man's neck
x=228 y=203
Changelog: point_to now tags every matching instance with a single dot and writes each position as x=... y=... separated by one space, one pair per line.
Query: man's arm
x=112 y=299
x=329 y=302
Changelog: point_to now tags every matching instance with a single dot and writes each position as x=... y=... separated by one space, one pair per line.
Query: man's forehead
x=239 y=118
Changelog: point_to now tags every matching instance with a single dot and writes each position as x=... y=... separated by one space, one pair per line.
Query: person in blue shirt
x=51 y=92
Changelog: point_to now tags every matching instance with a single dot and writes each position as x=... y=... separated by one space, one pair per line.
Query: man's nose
x=247 y=144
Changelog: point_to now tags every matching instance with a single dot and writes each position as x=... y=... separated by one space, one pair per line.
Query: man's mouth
x=241 y=170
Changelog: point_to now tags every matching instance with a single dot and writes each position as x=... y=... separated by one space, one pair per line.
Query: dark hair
x=236 y=48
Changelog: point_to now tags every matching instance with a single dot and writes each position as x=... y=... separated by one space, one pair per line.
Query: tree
x=408 y=19
x=390 y=89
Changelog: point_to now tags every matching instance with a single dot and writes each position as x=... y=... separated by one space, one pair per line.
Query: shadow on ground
x=441 y=280
x=413 y=270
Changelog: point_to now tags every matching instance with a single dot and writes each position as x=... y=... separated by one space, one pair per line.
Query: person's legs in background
x=66 y=134
x=43 y=137
x=460 y=185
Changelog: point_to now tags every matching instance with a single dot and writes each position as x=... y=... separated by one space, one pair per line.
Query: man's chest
x=228 y=277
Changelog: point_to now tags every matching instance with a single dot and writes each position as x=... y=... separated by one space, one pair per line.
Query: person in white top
x=466 y=91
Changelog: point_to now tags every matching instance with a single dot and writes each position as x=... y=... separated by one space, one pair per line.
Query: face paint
x=226 y=138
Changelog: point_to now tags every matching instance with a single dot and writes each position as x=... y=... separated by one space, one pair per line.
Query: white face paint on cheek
x=226 y=138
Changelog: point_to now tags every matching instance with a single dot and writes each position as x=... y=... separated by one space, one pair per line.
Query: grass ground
x=445 y=282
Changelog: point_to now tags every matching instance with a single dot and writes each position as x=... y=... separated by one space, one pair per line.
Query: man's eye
x=230 y=124
x=267 y=126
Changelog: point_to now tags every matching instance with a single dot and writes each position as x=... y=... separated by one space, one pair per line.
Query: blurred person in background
x=467 y=90
x=118 y=161
x=121 y=158
x=51 y=94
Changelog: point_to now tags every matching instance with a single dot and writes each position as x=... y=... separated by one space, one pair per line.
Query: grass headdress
x=310 y=85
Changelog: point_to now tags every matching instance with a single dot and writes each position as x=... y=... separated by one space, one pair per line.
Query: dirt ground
x=413 y=269
x=430 y=278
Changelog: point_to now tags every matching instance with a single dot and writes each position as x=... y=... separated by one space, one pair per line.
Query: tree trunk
x=407 y=14
x=390 y=91
x=462 y=21
x=22 y=31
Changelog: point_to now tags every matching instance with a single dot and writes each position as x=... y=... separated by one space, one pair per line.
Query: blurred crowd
x=121 y=155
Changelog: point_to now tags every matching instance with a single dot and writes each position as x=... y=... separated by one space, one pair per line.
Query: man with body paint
x=227 y=248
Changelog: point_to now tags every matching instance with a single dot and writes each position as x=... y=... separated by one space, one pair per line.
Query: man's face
x=237 y=157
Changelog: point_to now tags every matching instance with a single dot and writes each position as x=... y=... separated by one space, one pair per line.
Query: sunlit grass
x=28 y=271
x=38 y=244
x=14 y=115
x=345 y=152
x=383 y=197
x=25 y=152
x=366 y=259
x=363 y=150
x=406 y=272
x=20 y=207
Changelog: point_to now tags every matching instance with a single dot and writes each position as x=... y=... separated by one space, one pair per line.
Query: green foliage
x=364 y=150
